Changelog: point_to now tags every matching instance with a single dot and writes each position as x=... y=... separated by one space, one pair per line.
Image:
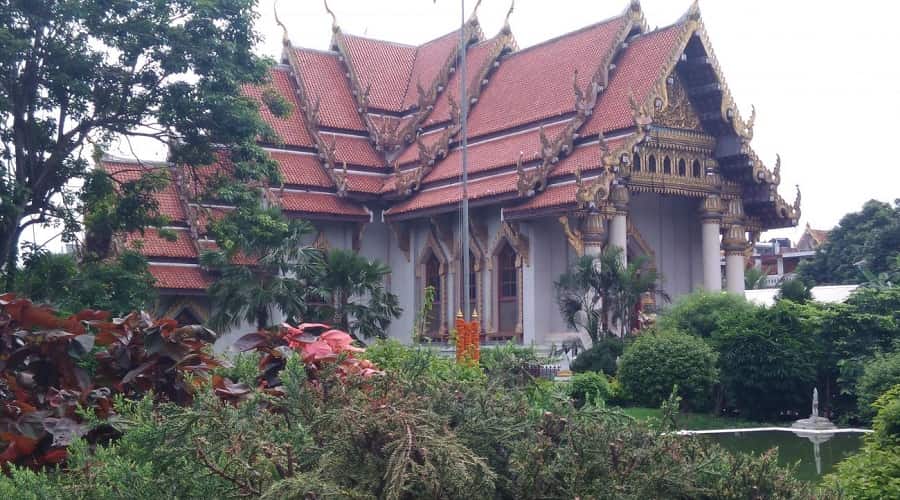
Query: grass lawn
x=695 y=421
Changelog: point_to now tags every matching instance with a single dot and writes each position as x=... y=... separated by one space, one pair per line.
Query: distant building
x=779 y=260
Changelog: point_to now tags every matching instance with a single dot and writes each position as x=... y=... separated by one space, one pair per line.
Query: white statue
x=815 y=406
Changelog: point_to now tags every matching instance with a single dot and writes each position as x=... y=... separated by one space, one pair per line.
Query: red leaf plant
x=50 y=366
x=318 y=346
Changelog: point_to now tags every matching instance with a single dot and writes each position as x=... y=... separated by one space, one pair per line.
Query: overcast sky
x=823 y=75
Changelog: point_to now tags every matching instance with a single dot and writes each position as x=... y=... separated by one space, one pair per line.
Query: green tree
x=656 y=361
x=262 y=265
x=119 y=285
x=701 y=312
x=353 y=295
x=866 y=240
x=597 y=292
x=81 y=72
x=794 y=290
x=768 y=358
x=754 y=278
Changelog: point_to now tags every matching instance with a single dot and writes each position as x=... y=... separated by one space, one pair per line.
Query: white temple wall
x=671 y=227
x=550 y=256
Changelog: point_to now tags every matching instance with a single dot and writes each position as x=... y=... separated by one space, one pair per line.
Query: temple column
x=711 y=217
x=618 y=226
x=735 y=245
x=594 y=231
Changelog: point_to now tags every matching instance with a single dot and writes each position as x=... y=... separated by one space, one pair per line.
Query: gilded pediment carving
x=678 y=111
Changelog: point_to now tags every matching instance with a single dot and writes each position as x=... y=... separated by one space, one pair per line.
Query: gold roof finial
x=693 y=12
x=334 y=24
x=512 y=7
x=459 y=314
x=475 y=10
x=285 y=40
x=475 y=314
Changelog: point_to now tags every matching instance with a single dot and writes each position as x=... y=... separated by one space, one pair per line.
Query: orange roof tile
x=151 y=244
x=494 y=153
x=324 y=82
x=430 y=58
x=179 y=277
x=637 y=70
x=536 y=83
x=321 y=205
x=362 y=183
x=450 y=195
x=353 y=150
x=553 y=196
x=382 y=67
x=290 y=128
x=301 y=169
x=167 y=198
x=476 y=58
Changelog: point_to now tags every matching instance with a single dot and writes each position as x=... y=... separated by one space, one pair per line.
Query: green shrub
x=769 y=359
x=656 y=361
x=700 y=313
x=794 y=290
x=589 y=387
x=874 y=472
x=388 y=437
x=879 y=375
x=601 y=357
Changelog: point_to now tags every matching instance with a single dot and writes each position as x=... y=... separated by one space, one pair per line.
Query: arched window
x=473 y=283
x=682 y=167
x=651 y=164
x=433 y=279
x=637 y=162
x=187 y=317
x=667 y=165
x=507 y=292
x=695 y=168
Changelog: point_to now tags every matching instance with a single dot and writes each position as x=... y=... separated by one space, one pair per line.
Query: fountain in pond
x=814 y=422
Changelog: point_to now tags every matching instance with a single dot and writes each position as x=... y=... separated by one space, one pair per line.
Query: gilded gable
x=678 y=112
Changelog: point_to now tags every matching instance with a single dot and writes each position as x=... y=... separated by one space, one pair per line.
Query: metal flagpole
x=464 y=222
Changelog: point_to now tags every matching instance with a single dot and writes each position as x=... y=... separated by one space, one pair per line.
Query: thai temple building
x=613 y=134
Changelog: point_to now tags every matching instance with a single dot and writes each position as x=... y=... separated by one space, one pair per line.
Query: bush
x=874 y=472
x=769 y=359
x=326 y=433
x=701 y=313
x=589 y=387
x=658 y=360
x=601 y=357
x=879 y=375
x=794 y=290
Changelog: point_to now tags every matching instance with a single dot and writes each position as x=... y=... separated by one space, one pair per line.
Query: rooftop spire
x=334 y=24
x=285 y=40
x=475 y=10
x=692 y=14
x=512 y=6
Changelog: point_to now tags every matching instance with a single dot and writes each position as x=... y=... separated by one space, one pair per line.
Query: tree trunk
x=9 y=246
x=262 y=317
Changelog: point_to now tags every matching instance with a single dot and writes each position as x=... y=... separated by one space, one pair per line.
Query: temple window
x=507 y=292
x=695 y=168
x=651 y=164
x=187 y=317
x=433 y=279
x=473 y=282
x=637 y=162
x=682 y=167
x=667 y=165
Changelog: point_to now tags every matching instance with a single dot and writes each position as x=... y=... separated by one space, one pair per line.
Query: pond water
x=815 y=455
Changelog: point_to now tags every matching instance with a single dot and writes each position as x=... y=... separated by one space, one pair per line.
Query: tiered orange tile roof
x=355 y=134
